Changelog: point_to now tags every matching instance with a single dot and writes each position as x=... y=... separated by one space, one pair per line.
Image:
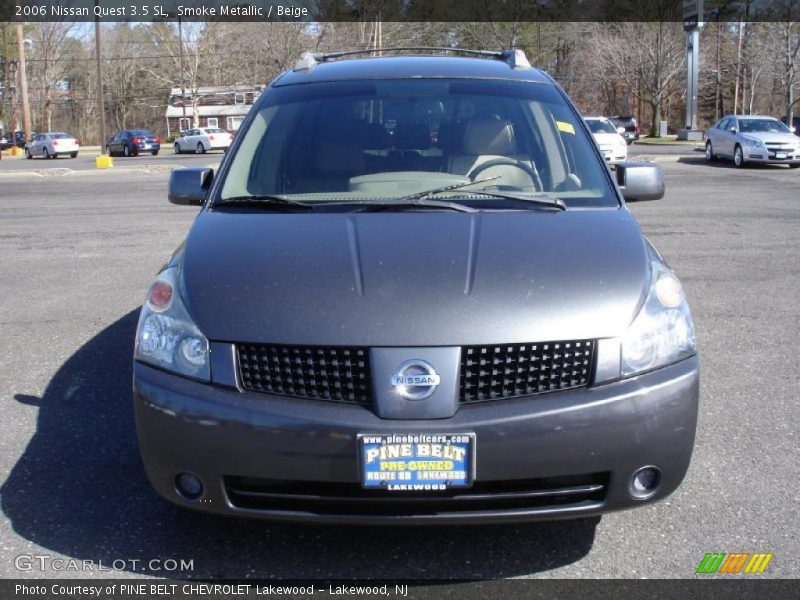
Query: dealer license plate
x=418 y=462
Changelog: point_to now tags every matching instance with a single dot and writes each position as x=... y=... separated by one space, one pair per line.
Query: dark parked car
x=795 y=123
x=16 y=138
x=413 y=328
x=631 y=126
x=131 y=142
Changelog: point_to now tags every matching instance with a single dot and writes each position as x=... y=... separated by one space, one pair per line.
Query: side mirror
x=793 y=129
x=620 y=130
x=732 y=129
x=640 y=180
x=190 y=186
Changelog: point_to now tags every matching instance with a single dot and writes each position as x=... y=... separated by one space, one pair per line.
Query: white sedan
x=202 y=140
x=52 y=145
x=609 y=138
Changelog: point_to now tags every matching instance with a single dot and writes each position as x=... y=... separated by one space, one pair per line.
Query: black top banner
x=397 y=10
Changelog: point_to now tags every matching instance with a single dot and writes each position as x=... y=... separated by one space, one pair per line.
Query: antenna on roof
x=514 y=57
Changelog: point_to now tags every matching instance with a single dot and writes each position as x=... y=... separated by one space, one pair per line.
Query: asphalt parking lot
x=78 y=251
x=85 y=161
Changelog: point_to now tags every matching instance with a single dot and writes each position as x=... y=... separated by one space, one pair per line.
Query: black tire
x=108 y=151
x=73 y=155
x=200 y=148
x=126 y=151
x=710 y=156
x=154 y=153
x=46 y=153
x=794 y=165
x=177 y=148
x=738 y=157
x=28 y=154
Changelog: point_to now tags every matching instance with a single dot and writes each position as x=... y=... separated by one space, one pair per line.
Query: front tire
x=738 y=157
x=177 y=148
x=794 y=165
x=126 y=151
x=710 y=156
x=200 y=148
x=28 y=154
x=108 y=151
x=73 y=155
x=45 y=153
x=154 y=153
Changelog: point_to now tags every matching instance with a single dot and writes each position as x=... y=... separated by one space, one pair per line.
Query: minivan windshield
x=348 y=141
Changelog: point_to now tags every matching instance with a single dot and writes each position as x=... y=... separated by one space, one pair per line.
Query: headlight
x=663 y=331
x=166 y=337
x=753 y=143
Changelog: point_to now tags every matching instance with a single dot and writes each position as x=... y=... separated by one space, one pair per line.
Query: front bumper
x=558 y=455
x=770 y=156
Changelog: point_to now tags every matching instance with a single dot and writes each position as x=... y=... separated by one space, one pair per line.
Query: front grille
x=350 y=499
x=342 y=373
x=507 y=371
x=325 y=373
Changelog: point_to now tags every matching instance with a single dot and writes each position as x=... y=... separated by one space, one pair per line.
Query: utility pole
x=6 y=80
x=183 y=78
x=692 y=21
x=23 y=84
x=100 y=91
x=718 y=77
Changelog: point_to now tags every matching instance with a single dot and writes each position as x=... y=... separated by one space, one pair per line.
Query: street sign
x=692 y=14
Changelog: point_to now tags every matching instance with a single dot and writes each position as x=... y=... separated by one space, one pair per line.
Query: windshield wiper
x=402 y=204
x=444 y=188
x=264 y=201
x=540 y=199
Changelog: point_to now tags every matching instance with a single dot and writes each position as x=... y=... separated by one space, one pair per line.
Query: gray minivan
x=414 y=294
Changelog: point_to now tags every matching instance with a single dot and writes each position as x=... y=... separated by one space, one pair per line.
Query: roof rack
x=515 y=57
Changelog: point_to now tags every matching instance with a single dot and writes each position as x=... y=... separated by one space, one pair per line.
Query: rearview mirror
x=640 y=180
x=190 y=186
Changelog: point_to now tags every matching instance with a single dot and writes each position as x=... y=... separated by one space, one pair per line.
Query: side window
x=724 y=124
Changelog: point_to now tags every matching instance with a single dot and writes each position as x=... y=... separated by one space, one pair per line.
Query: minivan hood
x=414 y=278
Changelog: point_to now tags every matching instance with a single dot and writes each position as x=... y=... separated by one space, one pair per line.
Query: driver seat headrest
x=489 y=136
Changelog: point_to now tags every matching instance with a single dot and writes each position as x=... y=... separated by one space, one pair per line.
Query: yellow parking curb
x=103 y=162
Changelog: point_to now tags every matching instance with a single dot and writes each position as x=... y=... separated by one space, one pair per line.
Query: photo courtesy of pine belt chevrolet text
x=413 y=293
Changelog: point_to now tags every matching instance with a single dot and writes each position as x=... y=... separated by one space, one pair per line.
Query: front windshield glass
x=600 y=126
x=762 y=126
x=382 y=140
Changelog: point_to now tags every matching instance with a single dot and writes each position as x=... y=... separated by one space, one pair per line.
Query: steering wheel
x=509 y=162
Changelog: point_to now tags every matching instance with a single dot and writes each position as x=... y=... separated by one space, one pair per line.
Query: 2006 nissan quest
x=414 y=294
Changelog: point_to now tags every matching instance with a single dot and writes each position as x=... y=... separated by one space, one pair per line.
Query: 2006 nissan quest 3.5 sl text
x=414 y=294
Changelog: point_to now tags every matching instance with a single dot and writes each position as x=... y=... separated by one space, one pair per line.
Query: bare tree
x=647 y=57
x=48 y=66
x=786 y=69
x=201 y=43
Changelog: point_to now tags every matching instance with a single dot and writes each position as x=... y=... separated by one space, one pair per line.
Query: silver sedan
x=752 y=138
